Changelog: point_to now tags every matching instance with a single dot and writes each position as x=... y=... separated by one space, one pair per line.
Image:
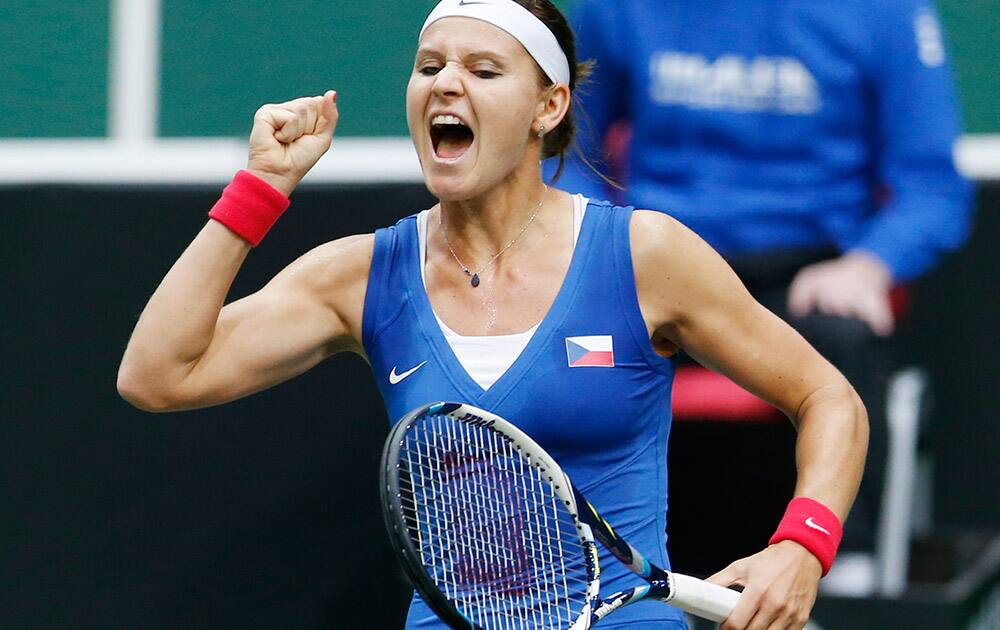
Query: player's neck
x=490 y=221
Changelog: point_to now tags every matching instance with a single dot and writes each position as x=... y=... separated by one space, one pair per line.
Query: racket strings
x=493 y=534
x=540 y=540
x=439 y=549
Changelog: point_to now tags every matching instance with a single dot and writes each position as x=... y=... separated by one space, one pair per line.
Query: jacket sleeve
x=600 y=101
x=928 y=208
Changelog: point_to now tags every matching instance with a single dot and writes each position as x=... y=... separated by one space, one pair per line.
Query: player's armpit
x=689 y=295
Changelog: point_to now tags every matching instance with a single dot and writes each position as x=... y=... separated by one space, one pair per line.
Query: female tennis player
x=544 y=307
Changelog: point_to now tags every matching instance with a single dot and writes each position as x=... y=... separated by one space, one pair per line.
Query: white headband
x=520 y=23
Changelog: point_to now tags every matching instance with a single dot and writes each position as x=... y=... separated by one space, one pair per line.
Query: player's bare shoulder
x=334 y=277
x=332 y=266
x=656 y=238
x=676 y=272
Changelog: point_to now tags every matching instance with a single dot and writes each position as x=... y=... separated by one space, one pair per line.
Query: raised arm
x=691 y=299
x=189 y=351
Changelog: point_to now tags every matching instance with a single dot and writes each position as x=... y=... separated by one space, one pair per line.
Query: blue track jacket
x=769 y=124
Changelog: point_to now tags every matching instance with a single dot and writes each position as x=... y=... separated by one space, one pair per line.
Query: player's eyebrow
x=488 y=55
x=473 y=55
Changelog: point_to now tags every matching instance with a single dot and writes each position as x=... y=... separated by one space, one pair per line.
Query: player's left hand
x=855 y=285
x=779 y=588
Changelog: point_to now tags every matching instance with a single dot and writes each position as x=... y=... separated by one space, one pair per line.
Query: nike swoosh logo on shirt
x=463 y=3
x=394 y=378
x=811 y=523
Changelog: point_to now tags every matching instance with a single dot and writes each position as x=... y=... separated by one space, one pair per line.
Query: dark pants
x=863 y=358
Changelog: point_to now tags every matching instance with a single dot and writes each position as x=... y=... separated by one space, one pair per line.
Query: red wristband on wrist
x=249 y=206
x=812 y=525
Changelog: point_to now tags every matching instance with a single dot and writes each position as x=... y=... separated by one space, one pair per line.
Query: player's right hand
x=289 y=138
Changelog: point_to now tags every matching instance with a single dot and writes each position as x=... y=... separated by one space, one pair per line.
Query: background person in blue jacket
x=809 y=142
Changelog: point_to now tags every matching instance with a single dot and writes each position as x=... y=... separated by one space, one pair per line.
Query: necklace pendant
x=475 y=280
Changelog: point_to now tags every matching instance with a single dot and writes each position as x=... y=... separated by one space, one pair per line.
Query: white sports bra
x=487 y=357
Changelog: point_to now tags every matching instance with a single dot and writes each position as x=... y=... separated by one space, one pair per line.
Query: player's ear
x=552 y=107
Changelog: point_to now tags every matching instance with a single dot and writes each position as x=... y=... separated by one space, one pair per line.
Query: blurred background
x=120 y=123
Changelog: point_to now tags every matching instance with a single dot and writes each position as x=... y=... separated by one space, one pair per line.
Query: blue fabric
x=607 y=427
x=768 y=124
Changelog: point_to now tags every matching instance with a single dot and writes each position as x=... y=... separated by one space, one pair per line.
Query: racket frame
x=691 y=594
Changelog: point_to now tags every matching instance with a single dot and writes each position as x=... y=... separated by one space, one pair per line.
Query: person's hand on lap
x=855 y=285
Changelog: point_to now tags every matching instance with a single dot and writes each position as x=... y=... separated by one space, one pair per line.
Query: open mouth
x=450 y=136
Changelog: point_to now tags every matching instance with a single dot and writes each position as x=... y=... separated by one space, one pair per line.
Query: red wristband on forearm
x=812 y=525
x=249 y=206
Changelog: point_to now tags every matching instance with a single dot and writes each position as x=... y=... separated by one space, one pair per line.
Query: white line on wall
x=134 y=72
x=213 y=161
x=978 y=156
x=193 y=161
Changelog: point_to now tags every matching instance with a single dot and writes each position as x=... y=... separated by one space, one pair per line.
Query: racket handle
x=703 y=599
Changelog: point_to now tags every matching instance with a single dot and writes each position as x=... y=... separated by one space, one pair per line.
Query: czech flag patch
x=591 y=351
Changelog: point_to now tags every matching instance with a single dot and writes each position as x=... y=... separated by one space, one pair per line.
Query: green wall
x=221 y=60
x=974 y=36
x=214 y=79
x=53 y=68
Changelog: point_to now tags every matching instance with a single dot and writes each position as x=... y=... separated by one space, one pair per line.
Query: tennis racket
x=493 y=534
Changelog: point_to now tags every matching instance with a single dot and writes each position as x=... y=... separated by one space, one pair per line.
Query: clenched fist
x=289 y=138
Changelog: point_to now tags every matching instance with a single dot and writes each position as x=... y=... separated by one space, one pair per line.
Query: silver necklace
x=475 y=274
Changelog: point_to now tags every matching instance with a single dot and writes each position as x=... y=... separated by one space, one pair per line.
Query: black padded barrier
x=264 y=513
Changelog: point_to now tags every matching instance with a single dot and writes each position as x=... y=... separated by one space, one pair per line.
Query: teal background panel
x=972 y=27
x=53 y=68
x=221 y=61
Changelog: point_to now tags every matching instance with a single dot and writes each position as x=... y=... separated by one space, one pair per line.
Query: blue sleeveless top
x=588 y=387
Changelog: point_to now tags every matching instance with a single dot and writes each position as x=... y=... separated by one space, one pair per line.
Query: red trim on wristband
x=812 y=525
x=249 y=206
